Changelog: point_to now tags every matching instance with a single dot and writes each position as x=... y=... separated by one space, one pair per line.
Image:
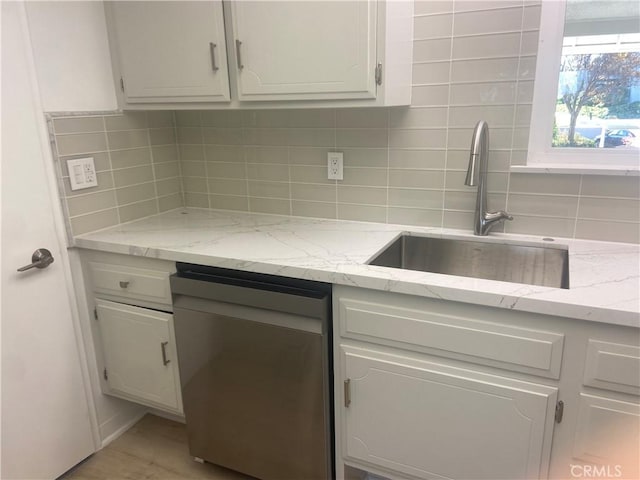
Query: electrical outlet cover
x=82 y=173
x=335 y=165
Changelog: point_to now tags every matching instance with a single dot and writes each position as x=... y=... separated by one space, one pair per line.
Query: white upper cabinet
x=305 y=50
x=261 y=54
x=169 y=51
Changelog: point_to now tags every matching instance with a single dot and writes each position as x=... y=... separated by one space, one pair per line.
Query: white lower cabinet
x=430 y=420
x=139 y=354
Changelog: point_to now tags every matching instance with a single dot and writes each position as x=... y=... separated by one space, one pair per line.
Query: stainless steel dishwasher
x=255 y=367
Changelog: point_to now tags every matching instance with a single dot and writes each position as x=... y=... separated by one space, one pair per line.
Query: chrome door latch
x=41 y=258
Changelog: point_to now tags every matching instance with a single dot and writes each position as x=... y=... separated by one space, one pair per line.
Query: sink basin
x=533 y=265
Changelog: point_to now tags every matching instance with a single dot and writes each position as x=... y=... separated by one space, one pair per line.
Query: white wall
x=71 y=52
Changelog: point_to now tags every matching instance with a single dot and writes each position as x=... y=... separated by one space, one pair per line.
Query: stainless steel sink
x=533 y=265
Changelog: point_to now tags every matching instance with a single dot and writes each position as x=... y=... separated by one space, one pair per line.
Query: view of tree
x=597 y=77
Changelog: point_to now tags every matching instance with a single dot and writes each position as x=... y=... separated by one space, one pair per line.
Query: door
x=430 y=420
x=305 y=50
x=46 y=422
x=170 y=51
x=139 y=350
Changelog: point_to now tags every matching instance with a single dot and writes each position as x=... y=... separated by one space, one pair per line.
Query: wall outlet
x=334 y=165
x=82 y=173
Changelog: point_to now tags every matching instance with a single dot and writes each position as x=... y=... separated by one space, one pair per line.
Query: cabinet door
x=608 y=435
x=305 y=50
x=170 y=51
x=430 y=420
x=140 y=356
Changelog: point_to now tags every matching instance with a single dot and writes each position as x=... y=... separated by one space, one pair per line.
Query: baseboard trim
x=126 y=426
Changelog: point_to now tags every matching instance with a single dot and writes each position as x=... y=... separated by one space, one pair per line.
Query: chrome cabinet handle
x=212 y=51
x=238 y=57
x=41 y=258
x=124 y=284
x=163 y=347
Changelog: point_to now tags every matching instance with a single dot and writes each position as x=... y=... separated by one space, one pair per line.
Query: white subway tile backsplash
x=362 y=118
x=432 y=26
x=483 y=93
x=417 y=159
x=315 y=193
x=130 y=121
x=416 y=178
x=78 y=125
x=415 y=216
x=362 y=195
x=313 y=209
x=427 y=7
x=543 y=205
x=311 y=137
x=486 y=46
x=430 y=95
x=274 y=173
x=484 y=70
x=268 y=189
x=417 y=198
x=608 y=231
x=611 y=209
x=128 y=139
x=81 y=143
x=365 y=157
x=361 y=137
x=494 y=115
x=418 y=138
x=224 y=186
x=427 y=117
x=488 y=21
x=431 y=72
x=431 y=50
x=481 y=5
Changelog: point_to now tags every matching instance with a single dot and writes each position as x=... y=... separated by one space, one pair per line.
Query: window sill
x=578 y=169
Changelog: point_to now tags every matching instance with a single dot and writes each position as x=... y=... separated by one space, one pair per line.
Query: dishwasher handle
x=316 y=306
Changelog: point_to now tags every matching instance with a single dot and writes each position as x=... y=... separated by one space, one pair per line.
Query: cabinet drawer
x=131 y=283
x=613 y=366
x=504 y=346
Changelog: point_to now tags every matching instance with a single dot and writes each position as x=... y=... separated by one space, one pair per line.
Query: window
x=586 y=104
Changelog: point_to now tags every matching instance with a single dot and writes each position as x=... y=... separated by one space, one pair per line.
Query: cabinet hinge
x=379 y=74
x=104 y=374
x=95 y=313
x=347 y=392
x=122 y=84
x=559 y=411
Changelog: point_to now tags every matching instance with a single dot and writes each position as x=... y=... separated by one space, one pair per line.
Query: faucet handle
x=492 y=217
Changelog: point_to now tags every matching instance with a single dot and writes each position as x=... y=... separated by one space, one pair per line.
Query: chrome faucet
x=477 y=175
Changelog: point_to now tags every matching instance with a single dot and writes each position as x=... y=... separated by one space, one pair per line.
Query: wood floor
x=153 y=449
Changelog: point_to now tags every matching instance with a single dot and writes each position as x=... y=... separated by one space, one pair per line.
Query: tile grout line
x=448 y=107
x=153 y=165
x=113 y=178
x=505 y=226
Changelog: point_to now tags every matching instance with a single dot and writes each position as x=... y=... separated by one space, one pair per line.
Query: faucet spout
x=477 y=176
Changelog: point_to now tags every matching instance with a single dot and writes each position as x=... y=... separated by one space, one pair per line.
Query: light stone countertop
x=604 y=276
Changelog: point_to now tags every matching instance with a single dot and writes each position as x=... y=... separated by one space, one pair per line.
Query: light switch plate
x=82 y=173
x=334 y=165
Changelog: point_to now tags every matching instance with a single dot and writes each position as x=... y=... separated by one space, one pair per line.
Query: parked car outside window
x=616 y=138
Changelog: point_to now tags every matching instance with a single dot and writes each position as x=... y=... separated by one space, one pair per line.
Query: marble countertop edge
x=605 y=276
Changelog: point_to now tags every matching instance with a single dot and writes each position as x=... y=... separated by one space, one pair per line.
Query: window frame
x=541 y=155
